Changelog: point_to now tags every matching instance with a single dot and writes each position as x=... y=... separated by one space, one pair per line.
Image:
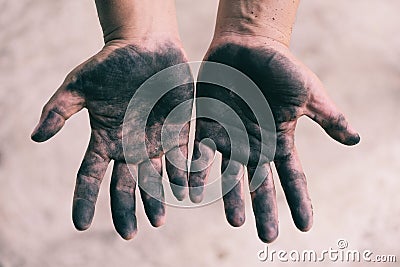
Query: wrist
x=129 y=34
x=130 y=20
x=259 y=18
x=242 y=29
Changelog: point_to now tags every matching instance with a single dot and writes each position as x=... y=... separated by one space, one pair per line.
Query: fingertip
x=82 y=214
x=268 y=233
x=179 y=188
x=303 y=221
x=180 y=195
x=352 y=140
x=155 y=211
x=40 y=137
x=338 y=128
x=302 y=213
x=36 y=137
x=196 y=186
x=157 y=221
x=196 y=194
x=48 y=127
x=129 y=232
x=304 y=227
x=129 y=235
x=234 y=208
x=350 y=136
x=125 y=223
x=236 y=221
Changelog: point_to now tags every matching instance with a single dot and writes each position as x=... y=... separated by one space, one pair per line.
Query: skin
x=140 y=40
x=253 y=37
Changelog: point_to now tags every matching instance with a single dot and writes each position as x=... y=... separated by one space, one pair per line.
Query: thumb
x=322 y=110
x=61 y=106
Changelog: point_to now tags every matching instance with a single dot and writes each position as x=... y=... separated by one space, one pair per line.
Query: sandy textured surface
x=354 y=47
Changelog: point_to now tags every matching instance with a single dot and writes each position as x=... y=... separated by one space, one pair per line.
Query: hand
x=104 y=85
x=292 y=91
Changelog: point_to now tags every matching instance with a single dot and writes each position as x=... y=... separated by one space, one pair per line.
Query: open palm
x=291 y=91
x=105 y=85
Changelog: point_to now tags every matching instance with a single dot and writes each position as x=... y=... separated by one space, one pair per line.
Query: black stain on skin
x=109 y=85
x=273 y=73
x=336 y=128
x=52 y=124
x=277 y=78
x=282 y=84
x=233 y=199
x=298 y=200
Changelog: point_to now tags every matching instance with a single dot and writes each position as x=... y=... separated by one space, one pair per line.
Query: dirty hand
x=104 y=85
x=291 y=91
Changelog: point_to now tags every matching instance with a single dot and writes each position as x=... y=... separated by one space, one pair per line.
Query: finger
x=264 y=202
x=176 y=166
x=87 y=187
x=202 y=158
x=232 y=191
x=61 y=106
x=323 y=111
x=151 y=191
x=122 y=192
x=294 y=185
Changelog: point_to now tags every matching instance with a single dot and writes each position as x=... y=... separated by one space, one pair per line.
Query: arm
x=253 y=37
x=141 y=39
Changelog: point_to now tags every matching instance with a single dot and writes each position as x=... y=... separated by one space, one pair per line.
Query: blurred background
x=353 y=46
